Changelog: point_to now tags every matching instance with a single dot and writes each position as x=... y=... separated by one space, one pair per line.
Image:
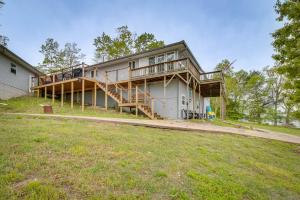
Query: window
x=183 y=100
x=152 y=61
x=160 y=59
x=13 y=68
x=131 y=64
x=190 y=95
x=170 y=57
x=92 y=74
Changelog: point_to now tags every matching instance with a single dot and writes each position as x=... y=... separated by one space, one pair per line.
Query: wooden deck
x=210 y=84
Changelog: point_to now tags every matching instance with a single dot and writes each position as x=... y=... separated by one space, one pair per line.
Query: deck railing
x=60 y=75
x=161 y=68
x=211 y=76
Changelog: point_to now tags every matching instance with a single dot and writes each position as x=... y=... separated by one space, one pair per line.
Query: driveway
x=180 y=125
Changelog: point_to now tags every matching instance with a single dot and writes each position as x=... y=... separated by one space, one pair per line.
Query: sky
x=214 y=30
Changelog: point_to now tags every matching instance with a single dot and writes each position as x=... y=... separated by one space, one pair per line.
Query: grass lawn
x=65 y=159
x=33 y=105
x=282 y=129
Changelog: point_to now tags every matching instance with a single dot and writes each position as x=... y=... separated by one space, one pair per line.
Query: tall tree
x=3 y=39
x=275 y=82
x=58 y=59
x=125 y=43
x=53 y=56
x=287 y=44
x=256 y=96
x=72 y=55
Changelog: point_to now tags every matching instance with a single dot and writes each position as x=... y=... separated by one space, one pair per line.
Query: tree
x=72 y=55
x=146 y=41
x=275 y=82
x=125 y=43
x=256 y=95
x=53 y=57
x=287 y=44
x=58 y=59
x=3 y=39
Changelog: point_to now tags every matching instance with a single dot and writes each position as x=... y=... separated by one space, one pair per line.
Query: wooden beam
x=38 y=93
x=199 y=99
x=82 y=95
x=121 y=108
x=62 y=95
x=53 y=93
x=181 y=77
x=72 y=94
x=194 y=91
x=95 y=95
x=45 y=94
x=187 y=95
x=136 y=100
x=165 y=78
x=145 y=90
x=220 y=101
x=106 y=90
x=169 y=81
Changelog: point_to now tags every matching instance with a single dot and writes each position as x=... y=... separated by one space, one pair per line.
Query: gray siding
x=13 y=85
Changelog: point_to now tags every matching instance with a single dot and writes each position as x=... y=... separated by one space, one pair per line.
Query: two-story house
x=165 y=82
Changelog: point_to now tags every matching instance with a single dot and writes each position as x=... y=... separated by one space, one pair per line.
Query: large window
x=131 y=64
x=152 y=61
x=13 y=68
x=170 y=57
x=160 y=59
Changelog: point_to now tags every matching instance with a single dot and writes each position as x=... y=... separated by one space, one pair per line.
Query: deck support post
x=145 y=90
x=129 y=91
x=187 y=95
x=77 y=97
x=221 y=106
x=72 y=94
x=38 y=93
x=82 y=95
x=121 y=108
x=152 y=108
x=136 y=100
x=165 y=95
x=106 y=90
x=62 y=95
x=53 y=93
x=199 y=100
x=45 y=94
x=95 y=94
x=194 y=91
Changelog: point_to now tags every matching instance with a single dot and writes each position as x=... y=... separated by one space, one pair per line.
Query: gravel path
x=180 y=125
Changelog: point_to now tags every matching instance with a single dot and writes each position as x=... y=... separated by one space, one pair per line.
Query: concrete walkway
x=180 y=125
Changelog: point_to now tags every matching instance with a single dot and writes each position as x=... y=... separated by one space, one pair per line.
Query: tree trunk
x=287 y=118
x=275 y=114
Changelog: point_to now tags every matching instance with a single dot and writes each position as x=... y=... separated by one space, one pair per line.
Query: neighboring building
x=165 y=82
x=15 y=75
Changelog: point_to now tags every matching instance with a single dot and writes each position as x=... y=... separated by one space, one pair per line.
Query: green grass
x=251 y=125
x=43 y=158
x=33 y=105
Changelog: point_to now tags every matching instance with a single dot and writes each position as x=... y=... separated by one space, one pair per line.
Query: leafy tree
x=58 y=59
x=275 y=84
x=125 y=43
x=72 y=55
x=287 y=44
x=146 y=41
x=3 y=39
x=256 y=96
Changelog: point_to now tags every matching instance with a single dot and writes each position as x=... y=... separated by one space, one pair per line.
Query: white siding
x=13 y=85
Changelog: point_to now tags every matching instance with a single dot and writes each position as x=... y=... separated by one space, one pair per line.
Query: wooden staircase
x=123 y=102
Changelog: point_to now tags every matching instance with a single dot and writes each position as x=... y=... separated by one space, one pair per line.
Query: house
x=16 y=75
x=165 y=82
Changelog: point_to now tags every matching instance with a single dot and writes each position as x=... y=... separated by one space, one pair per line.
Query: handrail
x=166 y=62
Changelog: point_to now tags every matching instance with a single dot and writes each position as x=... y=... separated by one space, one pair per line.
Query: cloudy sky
x=214 y=30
